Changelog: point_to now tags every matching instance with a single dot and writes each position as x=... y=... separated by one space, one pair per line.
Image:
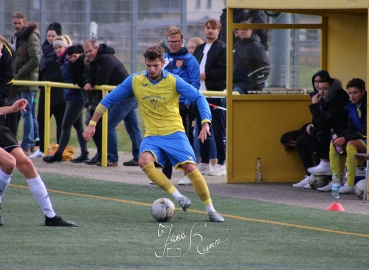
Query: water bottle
x=338 y=148
x=258 y=175
x=336 y=184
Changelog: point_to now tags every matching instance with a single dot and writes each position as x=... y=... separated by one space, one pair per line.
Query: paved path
x=282 y=193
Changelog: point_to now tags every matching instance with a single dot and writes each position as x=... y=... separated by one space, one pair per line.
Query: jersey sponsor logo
x=145 y=84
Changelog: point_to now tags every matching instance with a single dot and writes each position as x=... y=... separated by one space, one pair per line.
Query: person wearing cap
x=327 y=109
x=50 y=71
x=251 y=64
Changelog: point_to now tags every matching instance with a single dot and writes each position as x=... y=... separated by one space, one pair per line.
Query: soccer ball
x=317 y=181
x=163 y=209
x=359 y=188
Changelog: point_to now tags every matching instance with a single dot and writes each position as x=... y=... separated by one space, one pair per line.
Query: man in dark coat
x=106 y=69
x=211 y=56
x=251 y=63
x=27 y=49
x=328 y=112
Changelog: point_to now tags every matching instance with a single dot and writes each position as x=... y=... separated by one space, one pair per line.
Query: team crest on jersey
x=179 y=63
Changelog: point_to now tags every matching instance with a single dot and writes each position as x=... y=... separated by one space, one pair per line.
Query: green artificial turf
x=117 y=231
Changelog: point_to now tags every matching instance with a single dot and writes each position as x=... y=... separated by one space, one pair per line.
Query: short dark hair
x=154 y=52
x=326 y=79
x=356 y=82
x=78 y=48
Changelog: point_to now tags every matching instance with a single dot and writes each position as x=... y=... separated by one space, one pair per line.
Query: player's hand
x=89 y=133
x=204 y=132
x=19 y=105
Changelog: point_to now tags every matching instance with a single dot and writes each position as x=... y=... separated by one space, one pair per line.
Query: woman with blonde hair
x=49 y=70
x=66 y=54
x=193 y=43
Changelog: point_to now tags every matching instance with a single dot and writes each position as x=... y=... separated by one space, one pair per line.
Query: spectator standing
x=251 y=63
x=212 y=58
x=327 y=111
x=193 y=43
x=50 y=71
x=6 y=75
x=353 y=138
x=26 y=46
x=106 y=69
x=180 y=62
x=191 y=46
x=165 y=137
x=74 y=100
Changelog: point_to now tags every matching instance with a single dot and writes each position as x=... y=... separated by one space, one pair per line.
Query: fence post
x=47 y=119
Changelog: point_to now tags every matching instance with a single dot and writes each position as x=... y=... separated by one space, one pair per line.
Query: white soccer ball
x=359 y=188
x=163 y=209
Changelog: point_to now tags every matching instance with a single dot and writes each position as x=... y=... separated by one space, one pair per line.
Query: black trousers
x=317 y=144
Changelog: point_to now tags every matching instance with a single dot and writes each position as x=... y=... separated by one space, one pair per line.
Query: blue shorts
x=175 y=146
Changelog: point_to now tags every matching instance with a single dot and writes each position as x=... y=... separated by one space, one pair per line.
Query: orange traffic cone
x=336 y=207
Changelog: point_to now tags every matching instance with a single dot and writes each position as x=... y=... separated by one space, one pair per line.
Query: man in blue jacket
x=180 y=62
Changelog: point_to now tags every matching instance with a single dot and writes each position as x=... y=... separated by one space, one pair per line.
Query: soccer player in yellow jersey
x=157 y=93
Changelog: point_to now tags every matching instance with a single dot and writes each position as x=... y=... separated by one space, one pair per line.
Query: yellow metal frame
x=104 y=88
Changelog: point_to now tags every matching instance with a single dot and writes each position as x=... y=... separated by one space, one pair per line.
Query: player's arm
x=18 y=105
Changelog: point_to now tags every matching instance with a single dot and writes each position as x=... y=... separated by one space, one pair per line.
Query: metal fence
x=129 y=26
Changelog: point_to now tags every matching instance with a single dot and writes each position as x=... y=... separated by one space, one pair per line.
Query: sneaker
x=204 y=168
x=215 y=216
x=326 y=188
x=323 y=168
x=185 y=181
x=37 y=154
x=59 y=222
x=303 y=182
x=151 y=183
x=132 y=162
x=109 y=164
x=1 y=216
x=184 y=202
x=80 y=159
x=214 y=170
x=223 y=170
x=37 y=142
x=307 y=186
x=346 y=189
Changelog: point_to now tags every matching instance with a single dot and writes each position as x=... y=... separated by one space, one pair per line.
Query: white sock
x=209 y=208
x=38 y=190
x=4 y=182
x=176 y=195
